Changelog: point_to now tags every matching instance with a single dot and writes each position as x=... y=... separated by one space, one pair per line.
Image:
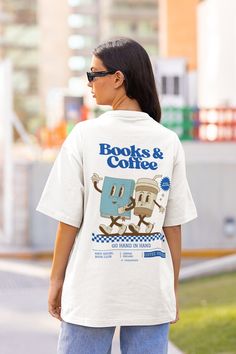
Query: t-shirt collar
x=125 y=114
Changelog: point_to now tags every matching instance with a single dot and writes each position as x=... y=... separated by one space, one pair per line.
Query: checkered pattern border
x=132 y=238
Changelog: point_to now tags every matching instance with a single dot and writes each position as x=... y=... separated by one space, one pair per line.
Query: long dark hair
x=131 y=58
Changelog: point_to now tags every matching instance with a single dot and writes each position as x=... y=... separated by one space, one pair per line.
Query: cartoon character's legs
x=122 y=229
x=135 y=228
x=149 y=228
x=107 y=230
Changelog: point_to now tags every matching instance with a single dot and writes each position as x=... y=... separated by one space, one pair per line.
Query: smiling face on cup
x=146 y=191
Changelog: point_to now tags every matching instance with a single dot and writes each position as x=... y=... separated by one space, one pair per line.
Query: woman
x=119 y=191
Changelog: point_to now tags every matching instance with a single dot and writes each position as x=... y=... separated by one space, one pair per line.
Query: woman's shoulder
x=168 y=133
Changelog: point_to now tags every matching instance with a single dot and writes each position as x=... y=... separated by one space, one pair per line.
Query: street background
x=45 y=51
x=25 y=325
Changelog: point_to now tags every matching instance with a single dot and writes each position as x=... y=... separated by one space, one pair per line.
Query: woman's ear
x=119 y=78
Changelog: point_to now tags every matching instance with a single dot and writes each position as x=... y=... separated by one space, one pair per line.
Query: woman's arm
x=64 y=242
x=173 y=236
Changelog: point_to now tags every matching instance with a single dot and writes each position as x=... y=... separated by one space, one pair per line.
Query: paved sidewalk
x=25 y=325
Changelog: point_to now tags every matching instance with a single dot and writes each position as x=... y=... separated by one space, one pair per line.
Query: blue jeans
x=76 y=339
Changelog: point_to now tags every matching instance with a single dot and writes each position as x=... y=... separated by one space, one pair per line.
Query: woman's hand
x=177 y=308
x=54 y=299
x=173 y=236
x=64 y=242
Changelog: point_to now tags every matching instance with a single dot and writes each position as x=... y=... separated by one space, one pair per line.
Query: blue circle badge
x=165 y=184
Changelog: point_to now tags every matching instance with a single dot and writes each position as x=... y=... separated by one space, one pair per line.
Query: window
x=74 y=2
x=134 y=27
x=76 y=42
x=171 y=85
x=164 y=85
x=21 y=82
x=77 y=63
x=147 y=27
x=125 y=4
x=152 y=49
x=25 y=82
x=76 y=21
x=23 y=58
x=20 y=35
x=176 y=85
x=121 y=27
x=14 y=6
x=79 y=2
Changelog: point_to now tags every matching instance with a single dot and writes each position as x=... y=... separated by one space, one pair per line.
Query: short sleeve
x=62 y=197
x=180 y=207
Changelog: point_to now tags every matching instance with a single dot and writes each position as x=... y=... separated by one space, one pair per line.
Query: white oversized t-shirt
x=119 y=178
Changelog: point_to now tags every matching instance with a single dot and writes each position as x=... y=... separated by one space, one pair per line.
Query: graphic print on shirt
x=146 y=191
x=131 y=157
x=117 y=203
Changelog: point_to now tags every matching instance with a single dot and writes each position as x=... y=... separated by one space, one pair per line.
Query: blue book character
x=116 y=201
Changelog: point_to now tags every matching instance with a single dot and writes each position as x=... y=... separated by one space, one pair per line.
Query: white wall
x=192 y=88
x=211 y=169
x=217 y=53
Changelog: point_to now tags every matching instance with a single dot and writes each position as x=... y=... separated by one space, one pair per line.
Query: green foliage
x=207 y=322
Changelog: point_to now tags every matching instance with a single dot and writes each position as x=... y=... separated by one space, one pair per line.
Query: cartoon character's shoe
x=134 y=228
x=107 y=230
x=122 y=229
x=149 y=228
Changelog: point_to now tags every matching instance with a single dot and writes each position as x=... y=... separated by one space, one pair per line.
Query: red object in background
x=210 y=125
x=50 y=138
x=84 y=112
x=217 y=125
x=54 y=137
x=195 y=131
x=59 y=133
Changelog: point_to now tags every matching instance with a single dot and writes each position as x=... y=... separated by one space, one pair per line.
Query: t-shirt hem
x=117 y=322
x=57 y=216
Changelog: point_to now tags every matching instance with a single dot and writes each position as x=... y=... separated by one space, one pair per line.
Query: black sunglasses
x=91 y=75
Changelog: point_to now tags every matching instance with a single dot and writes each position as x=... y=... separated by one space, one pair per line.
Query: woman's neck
x=123 y=102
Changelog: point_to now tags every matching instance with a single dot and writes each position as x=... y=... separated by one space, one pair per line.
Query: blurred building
x=50 y=42
x=217 y=53
x=177 y=69
x=178 y=32
x=53 y=50
x=137 y=19
x=19 y=42
x=70 y=29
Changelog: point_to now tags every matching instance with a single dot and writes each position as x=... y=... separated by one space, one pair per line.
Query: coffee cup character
x=146 y=191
